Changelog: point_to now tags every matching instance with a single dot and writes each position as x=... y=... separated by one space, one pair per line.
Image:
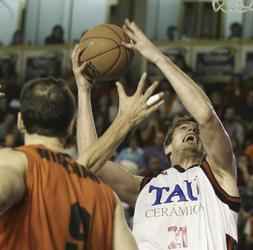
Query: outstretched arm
x=86 y=132
x=12 y=175
x=122 y=182
x=132 y=110
x=213 y=135
x=13 y=167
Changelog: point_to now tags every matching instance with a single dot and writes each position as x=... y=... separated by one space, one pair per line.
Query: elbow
x=208 y=115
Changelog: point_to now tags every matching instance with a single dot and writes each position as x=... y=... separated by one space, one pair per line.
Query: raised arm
x=132 y=110
x=86 y=132
x=215 y=140
x=13 y=167
x=122 y=182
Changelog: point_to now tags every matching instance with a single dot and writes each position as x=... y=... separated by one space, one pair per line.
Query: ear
x=20 y=123
x=168 y=149
x=71 y=127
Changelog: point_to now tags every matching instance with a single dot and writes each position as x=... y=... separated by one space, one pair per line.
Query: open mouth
x=190 y=138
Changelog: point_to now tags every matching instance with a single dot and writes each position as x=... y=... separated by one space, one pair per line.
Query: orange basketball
x=107 y=58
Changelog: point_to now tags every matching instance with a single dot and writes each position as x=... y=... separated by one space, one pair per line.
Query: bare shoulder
x=14 y=159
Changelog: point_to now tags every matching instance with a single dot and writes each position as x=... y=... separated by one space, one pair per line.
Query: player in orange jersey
x=47 y=199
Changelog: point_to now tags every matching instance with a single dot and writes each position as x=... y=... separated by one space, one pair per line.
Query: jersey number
x=179 y=237
x=78 y=227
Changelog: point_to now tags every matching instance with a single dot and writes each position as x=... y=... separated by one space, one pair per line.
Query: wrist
x=161 y=60
x=83 y=92
x=125 y=120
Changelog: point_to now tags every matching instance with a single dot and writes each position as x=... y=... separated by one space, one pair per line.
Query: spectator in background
x=249 y=145
x=114 y=103
x=172 y=106
x=8 y=69
x=103 y=106
x=153 y=168
x=235 y=31
x=101 y=123
x=70 y=81
x=244 y=170
x=172 y=33
x=133 y=154
x=156 y=150
x=206 y=33
x=53 y=67
x=148 y=129
x=8 y=78
x=8 y=127
x=234 y=127
x=17 y=38
x=98 y=90
x=248 y=231
x=181 y=63
x=217 y=101
x=169 y=97
x=10 y=140
x=247 y=196
x=3 y=109
x=247 y=210
x=56 y=36
x=247 y=111
x=177 y=108
x=236 y=92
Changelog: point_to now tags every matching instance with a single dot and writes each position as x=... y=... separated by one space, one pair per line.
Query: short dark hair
x=175 y=124
x=47 y=107
x=235 y=24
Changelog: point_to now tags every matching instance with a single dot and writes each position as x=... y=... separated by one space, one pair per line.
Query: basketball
x=107 y=59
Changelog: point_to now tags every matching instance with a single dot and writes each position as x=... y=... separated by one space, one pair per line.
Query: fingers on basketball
x=107 y=58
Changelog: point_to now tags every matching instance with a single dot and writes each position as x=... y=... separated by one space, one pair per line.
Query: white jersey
x=186 y=210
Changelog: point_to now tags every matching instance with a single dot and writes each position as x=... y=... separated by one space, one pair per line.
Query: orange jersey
x=65 y=207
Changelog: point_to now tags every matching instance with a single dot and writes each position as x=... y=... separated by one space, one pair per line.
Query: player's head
x=47 y=107
x=183 y=138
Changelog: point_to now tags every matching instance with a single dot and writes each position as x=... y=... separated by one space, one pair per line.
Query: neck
x=52 y=143
x=186 y=161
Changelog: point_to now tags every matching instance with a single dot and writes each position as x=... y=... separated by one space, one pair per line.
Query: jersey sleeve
x=144 y=182
x=233 y=202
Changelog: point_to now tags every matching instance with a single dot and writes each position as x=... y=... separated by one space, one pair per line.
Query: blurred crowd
x=142 y=150
x=57 y=35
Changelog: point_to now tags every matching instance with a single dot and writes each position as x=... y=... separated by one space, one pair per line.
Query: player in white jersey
x=193 y=205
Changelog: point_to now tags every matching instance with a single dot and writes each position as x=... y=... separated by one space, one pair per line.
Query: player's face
x=186 y=137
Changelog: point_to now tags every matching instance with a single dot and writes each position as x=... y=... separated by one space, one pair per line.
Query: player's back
x=65 y=207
